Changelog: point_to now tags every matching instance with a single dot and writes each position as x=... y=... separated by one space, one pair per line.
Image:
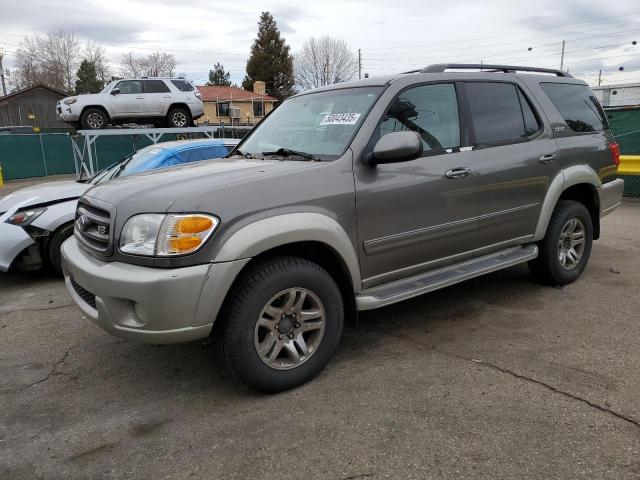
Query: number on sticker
x=340 y=119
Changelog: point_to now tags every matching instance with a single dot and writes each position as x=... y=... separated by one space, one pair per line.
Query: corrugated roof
x=219 y=93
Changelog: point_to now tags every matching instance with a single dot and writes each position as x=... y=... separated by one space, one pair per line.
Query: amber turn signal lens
x=182 y=244
x=193 y=224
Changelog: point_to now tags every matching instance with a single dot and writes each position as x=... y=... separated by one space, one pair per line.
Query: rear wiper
x=285 y=152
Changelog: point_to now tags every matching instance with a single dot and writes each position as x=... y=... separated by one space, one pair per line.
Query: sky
x=392 y=36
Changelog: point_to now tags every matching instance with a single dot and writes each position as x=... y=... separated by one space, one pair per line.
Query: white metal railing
x=85 y=153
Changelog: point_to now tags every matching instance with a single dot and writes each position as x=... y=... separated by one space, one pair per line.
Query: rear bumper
x=610 y=195
x=13 y=240
x=150 y=305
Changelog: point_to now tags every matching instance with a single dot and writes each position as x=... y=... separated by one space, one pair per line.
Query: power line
x=509 y=35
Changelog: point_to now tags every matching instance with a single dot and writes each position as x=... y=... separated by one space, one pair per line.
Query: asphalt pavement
x=498 y=377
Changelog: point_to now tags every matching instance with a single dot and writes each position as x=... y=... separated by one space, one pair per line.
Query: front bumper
x=13 y=240
x=66 y=113
x=150 y=305
x=610 y=196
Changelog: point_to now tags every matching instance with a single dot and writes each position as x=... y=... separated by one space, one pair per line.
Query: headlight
x=24 y=217
x=166 y=235
x=70 y=100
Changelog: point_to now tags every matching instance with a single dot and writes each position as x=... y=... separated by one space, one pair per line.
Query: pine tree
x=218 y=76
x=270 y=60
x=87 y=81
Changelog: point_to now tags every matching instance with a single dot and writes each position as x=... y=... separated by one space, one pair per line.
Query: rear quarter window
x=577 y=105
x=183 y=85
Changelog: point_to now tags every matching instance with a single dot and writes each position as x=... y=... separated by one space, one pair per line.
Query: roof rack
x=441 y=67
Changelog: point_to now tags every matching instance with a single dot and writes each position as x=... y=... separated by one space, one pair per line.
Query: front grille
x=93 y=227
x=88 y=297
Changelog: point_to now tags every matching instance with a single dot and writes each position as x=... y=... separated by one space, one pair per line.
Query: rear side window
x=429 y=110
x=155 y=86
x=500 y=113
x=183 y=85
x=577 y=105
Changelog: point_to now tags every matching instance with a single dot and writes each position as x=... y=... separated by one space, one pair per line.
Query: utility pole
x=4 y=86
x=599 y=77
x=562 y=56
x=359 y=63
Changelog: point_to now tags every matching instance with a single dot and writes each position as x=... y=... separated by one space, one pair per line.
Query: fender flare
x=272 y=232
x=564 y=179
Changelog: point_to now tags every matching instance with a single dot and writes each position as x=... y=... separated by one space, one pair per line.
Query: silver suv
x=172 y=102
x=346 y=198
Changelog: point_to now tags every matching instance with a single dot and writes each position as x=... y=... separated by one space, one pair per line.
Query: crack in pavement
x=52 y=371
x=2 y=312
x=520 y=376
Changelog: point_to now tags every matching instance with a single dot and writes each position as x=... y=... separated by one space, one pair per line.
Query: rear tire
x=94 y=119
x=282 y=323
x=178 y=118
x=53 y=255
x=566 y=247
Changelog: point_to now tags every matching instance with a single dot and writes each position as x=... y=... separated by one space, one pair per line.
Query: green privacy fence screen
x=38 y=155
x=625 y=124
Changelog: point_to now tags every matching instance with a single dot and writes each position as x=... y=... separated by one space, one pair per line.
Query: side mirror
x=115 y=91
x=396 y=147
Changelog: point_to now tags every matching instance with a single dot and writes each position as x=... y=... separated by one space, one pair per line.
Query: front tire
x=94 y=119
x=566 y=247
x=282 y=323
x=53 y=255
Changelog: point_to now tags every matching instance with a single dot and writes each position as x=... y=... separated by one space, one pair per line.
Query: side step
x=399 y=290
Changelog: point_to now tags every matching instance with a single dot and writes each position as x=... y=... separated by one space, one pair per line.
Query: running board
x=399 y=290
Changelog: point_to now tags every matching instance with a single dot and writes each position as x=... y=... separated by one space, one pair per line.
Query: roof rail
x=441 y=67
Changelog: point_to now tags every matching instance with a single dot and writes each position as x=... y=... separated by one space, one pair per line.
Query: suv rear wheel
x=93 y=119
x=282 y=324
x=566 y=247
x=178 y=118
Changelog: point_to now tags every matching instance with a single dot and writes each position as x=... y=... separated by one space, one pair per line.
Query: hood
x=43 y=193
x=156 y=191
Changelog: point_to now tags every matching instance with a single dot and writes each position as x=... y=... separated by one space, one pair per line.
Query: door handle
x=547 y=158
x=140 y=98
x=459 y=172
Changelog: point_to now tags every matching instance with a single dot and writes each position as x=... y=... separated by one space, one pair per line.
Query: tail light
x=615 y=153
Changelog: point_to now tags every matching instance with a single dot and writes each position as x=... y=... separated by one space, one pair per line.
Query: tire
x=178 y=118
x=94 y=119
x=256 y=296
x=53 y=255
x=548 y=268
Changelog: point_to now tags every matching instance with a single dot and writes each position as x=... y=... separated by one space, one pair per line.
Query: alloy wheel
x=290 y=328
x=571 y=243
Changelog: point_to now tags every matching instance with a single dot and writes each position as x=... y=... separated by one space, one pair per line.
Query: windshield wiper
x=125 y=161
x=286 y=152
x=241 y=153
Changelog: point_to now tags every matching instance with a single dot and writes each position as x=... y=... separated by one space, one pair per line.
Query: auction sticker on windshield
x=340 y=119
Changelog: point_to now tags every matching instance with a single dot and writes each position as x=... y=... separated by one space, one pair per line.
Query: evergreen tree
x=270 y=60
x=87 y=81
x=218 y=76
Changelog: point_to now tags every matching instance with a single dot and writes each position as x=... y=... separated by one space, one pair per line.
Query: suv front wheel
x=178 y=118
x=93 y=119
x=566 y=247
x=282 y=324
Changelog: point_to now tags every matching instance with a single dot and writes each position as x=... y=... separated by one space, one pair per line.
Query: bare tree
x=323 y=61
x=52 y=60
x=156 y=64
x=95 y=53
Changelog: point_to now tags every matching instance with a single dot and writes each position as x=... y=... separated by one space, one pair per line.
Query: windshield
x=318 y=124
x=107 y=87
x=134 y=163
